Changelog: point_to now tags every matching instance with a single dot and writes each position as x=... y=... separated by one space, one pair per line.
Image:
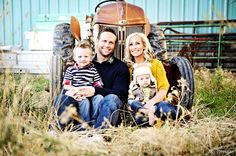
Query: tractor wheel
x=181 y=68
x=63 y=44
x=63 y=41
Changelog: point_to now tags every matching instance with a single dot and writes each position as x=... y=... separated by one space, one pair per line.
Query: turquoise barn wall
x=20 y=16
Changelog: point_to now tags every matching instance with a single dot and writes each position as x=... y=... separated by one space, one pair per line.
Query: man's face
x=106 y=44
x=83 y=56
x=143 y=80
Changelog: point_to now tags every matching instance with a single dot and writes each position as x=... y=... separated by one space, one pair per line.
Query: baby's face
x=144 y=80
x=83 y=56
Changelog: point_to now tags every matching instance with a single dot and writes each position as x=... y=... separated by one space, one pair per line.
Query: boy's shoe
x=69 y=112
x=95 y=138
x=81 y=127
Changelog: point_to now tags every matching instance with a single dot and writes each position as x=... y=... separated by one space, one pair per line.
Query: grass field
x=25 y=115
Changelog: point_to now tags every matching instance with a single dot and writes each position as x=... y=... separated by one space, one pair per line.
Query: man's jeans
x=109 y=111
x=87 y=112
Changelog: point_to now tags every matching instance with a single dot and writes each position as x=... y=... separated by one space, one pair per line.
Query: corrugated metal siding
x=19 y=16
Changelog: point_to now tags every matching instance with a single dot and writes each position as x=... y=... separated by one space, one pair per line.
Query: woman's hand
x=151 y=115
x=157 y=98
x=150 y=104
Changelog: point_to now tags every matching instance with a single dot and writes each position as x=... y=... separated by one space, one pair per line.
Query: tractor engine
x=124 y=18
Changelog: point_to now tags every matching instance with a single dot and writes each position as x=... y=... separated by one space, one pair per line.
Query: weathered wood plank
x=35 y=62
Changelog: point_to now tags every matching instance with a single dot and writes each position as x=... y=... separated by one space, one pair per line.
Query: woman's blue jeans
x=166 y=110
x=163 y=110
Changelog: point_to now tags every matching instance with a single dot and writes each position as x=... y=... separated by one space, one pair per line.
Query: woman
x=138 y=50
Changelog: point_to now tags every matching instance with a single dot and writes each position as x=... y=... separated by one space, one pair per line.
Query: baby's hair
x=83 y=44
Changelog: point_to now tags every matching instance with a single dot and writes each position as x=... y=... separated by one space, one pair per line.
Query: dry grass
x=214 y=136
x=24 y=118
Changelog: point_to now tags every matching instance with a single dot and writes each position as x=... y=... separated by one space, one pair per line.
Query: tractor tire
x=181 y=68
x=157 y=40
x=56 y=75
x=63 y=41
x=63 y=44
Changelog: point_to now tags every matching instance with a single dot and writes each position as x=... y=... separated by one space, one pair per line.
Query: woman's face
x=136 y=46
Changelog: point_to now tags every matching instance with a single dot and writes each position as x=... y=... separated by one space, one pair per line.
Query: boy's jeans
x=87 y=112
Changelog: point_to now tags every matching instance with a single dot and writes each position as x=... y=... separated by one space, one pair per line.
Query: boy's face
x=83 y=56
x=144 y=80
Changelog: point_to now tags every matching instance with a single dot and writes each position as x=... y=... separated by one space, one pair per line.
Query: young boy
x=142 y=89
x=82 y=73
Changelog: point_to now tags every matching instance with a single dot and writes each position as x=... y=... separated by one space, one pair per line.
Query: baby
x=142 y=89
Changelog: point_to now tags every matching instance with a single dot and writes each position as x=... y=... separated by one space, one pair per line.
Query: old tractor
x=124 y=18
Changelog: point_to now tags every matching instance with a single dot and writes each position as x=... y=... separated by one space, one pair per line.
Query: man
x=115 y=76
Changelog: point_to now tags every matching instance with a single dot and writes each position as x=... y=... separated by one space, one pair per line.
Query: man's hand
x=75 y=95
x=86 y=91
x=80 y=93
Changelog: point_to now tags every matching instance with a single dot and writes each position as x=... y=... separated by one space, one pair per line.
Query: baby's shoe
x=158 y=123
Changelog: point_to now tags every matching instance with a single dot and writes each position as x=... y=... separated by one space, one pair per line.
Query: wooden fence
x=35 y=62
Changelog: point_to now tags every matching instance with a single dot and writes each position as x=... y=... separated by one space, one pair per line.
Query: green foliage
x=39 y=83
x=215 y=91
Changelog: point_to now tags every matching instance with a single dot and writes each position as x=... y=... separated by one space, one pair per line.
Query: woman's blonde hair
x=148 y=52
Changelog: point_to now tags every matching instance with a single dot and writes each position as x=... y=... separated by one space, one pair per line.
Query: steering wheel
x=97 y=6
